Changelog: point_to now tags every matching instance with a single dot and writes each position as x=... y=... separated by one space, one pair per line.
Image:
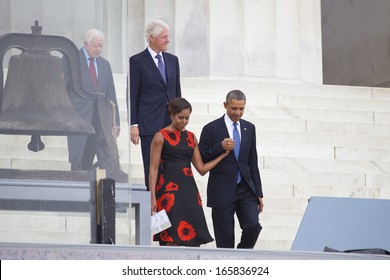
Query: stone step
x=47 y=237
x=273 y=233
x=204 y=87
x=299 y=111
x=278 y=232
x=292 y=184
x=305 y=107
x=305 y=191
x=376 y=172
x=55 y=222
x=274 y=244
x=358 y=180
x=325 y=165
x=336 y=139
x=279 y=217
x=348 y=128
x=302 y=126
x=334 y=103
x=324 y=152
x=283 y=177
x=19 y=151
x=298 y=204
x=296 y=150
x=269 y=130
x=313 y=140
x=23 y=140
x=335 y=191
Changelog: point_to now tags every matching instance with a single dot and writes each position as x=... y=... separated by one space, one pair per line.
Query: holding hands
x=228 y=144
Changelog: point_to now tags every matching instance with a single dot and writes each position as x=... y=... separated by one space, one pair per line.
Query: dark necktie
x=92 y=71
x=161 y=67
x=237 y=140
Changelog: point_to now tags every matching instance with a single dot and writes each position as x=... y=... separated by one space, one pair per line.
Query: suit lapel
x=168 y=66
x=244 y=136
x=85 y=69
x=225 y=133
x=149 y=61
x=100 y=71
x=222 y=126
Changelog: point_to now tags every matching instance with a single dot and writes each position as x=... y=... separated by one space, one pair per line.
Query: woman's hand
x=153 y=205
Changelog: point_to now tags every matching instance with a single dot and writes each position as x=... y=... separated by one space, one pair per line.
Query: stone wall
x=356 y=42
x=267 y=38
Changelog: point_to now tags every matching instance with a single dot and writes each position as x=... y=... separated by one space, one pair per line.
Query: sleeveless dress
x=177 y=193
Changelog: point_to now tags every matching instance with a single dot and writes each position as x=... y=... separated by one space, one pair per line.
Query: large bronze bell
x=35 y=100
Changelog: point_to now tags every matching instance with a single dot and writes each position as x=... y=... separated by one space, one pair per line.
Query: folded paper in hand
x=160 y=221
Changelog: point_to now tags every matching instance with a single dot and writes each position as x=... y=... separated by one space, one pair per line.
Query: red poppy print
x=190 y=139
x=166 y=201
x=173 y=138
x=199 y=200
x=171 y=187
x=164 y=236
x=160 y=183
x=187 y=171
x=185 y=231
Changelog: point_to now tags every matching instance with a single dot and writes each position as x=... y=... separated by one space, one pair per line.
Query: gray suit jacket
x=85 y=107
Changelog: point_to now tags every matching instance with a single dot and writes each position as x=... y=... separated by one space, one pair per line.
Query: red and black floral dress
x=177 y=193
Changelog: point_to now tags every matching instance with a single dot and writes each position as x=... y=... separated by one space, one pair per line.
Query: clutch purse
x=160 y=222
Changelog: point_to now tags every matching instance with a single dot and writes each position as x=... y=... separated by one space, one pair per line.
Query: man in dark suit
x=154 y=81
x=234 y=185
x=96 y=76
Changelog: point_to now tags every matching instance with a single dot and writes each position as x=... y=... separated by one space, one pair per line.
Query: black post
x=102 y=191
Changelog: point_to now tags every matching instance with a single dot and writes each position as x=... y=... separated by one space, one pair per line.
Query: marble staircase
x=312 y=140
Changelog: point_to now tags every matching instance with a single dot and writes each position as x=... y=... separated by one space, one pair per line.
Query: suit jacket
x=85 y=107
x=149 y=95
x=222 y=182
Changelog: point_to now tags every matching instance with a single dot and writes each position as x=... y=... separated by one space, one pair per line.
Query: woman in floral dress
x=171 y=182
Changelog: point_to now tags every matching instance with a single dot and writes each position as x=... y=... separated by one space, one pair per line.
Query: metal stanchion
x=102 y=192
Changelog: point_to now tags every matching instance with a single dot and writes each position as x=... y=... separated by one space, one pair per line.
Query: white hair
x=155 y=28
x=92 y=33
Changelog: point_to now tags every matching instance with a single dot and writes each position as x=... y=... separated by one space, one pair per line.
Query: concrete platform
x=22 y=251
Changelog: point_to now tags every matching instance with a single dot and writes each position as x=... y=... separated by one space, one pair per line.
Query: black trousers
x=245 y=206
x=146 y=141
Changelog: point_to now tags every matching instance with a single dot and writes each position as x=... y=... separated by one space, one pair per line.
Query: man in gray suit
x=96 y=77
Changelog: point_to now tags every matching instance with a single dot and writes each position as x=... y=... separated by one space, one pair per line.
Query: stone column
x=259 y=38
x=298 y=40
x=227 y=44
x=192 y=36
x=136 y=41
x=164 y=10
x=287 y=44
x=115 y=34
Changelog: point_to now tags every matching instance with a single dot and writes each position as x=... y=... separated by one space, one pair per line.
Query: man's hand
x=228 y=144
x=134 y=135
x=116 y=131
x=261 y=205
